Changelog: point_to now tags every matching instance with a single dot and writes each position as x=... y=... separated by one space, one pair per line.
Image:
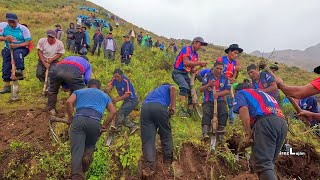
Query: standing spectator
x=145 y=40
x=157 y=44
x=109 y=47
x=50 y=50
x=71 y=31
x=161 y=46
x=84 y=30
x=80 y=40
x=97 y=41
x=59 y=32
x=139 y=38
x=126 y=50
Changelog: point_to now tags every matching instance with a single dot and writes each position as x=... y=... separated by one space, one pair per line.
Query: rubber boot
x=15 y=90
x=205 y=132
x=87 y=159
x=6 y=89
x=221 y=133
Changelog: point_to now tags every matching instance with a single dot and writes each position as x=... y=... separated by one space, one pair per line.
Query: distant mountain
x=307 y=59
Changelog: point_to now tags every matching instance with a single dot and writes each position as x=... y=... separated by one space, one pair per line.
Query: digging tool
x=53 y=119
x=111 y=134
x=13 y=66
x=214 y=121
x=45 y=85
x=194 y=95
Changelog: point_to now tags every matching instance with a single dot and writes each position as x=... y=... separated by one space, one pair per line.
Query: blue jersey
x=309 y=104
x=228 y=66
x=92 y=98
x=159 y=95
x=265 y=81
x=258 y=103
x=21 y=33
x=221 y=84
x=123 y=87
x=204 y=72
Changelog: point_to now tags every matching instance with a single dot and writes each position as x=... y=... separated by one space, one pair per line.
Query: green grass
x=148 y=69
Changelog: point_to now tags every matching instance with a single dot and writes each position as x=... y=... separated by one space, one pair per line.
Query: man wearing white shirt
x=109 y=47
x=50 y=49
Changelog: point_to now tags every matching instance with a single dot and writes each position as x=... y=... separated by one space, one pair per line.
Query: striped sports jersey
x=258 y=103
x=228 y=66
x=185 y=52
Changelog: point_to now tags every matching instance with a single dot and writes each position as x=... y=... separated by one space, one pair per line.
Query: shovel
x=214 y=122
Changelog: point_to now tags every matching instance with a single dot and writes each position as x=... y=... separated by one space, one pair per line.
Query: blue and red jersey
x=259 y=104
x=316 y=83
x=229 y=66
x=204 y=72
x=81 y=63
x=221 y=84
x=309 y=104
x=265 y=81
x=185 y=52
x=159 y=95
x=123 y=87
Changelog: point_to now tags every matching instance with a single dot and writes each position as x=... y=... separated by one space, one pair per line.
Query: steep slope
x=27 y=150
x=307 y=59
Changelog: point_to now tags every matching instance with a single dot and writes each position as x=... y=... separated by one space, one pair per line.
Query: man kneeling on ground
x=85 y=127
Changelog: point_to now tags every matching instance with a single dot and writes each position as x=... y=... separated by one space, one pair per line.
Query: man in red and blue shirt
x=231 y=68
x=73 y=72
x=185 y=63
x=310 y=104
x=263 y=81
x=263 y=122
x=128 y=96
x=222 y=86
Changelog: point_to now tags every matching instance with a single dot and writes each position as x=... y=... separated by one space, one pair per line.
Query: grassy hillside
x=28 y=152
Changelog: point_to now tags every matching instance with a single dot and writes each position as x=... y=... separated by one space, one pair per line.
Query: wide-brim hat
x=317 y=70
x=233 y=47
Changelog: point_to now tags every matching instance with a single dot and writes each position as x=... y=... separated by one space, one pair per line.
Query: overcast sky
x=253 y=24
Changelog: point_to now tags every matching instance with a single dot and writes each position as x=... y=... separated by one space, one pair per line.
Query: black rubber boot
x=205 y=132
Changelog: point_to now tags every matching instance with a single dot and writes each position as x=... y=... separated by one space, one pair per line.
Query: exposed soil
x=300 y=167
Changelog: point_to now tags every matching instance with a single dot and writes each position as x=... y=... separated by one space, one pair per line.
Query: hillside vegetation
x=28 y=151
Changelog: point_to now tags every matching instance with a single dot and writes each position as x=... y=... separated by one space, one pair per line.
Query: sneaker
x=205 y=137
x=14 y=98
x=53 y=112
x=6 y=89
x=133 y=129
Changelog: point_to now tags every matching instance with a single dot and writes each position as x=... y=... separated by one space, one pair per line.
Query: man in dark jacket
x=80 y=40
x=97 y=41
x=71 y=31
x=126 y=50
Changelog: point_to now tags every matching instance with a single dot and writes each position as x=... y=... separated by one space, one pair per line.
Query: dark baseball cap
x=200 y=39
x=11 y=17
x=51 y=33
x=126 y=36
x=78 y=27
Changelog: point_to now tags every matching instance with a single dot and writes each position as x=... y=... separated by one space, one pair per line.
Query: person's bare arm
x=205 y=87
x=309 y=115
x=108 y=89
x=271 y=88
x=112 y=113
x=70 y=102
x=245 y=118
x=189 y=63
x=56 y=57
x=24 y=44
x=173 y=96
x=41 y=57
x=123 y=97
x=298 y=92
x=222 y=93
